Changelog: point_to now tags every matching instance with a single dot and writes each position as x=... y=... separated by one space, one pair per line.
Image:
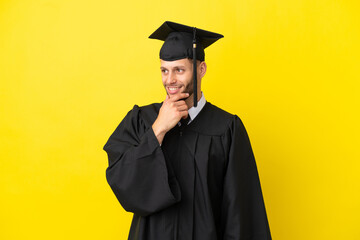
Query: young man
x=185 y=167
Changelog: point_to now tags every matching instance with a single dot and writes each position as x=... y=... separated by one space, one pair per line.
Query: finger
x=166 y=98
x=184 y=114
x=182 y=108
x=180 y=103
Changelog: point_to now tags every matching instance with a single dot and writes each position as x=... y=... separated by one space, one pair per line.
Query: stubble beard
x=188 y=89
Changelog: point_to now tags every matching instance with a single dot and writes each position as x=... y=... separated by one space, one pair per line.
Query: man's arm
x=171 y=111
x=243 y=213
x=137 y=171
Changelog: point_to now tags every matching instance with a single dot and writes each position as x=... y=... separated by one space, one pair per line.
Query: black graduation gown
x=202 y=183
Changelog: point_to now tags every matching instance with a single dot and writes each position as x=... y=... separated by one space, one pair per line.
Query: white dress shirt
x=194 y=111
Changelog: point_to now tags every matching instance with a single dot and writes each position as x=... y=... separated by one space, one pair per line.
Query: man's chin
x=173 y=95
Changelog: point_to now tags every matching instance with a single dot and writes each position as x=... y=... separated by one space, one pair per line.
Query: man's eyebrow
x=177 y=66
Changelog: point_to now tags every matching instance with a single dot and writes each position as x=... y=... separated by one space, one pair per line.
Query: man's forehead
x=185 y=62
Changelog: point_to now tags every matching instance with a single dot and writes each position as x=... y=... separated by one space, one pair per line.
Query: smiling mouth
x=173 y=90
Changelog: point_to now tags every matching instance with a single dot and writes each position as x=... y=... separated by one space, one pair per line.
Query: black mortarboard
x=181 y=41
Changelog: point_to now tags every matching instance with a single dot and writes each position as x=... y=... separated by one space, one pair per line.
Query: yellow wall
x=70 y=71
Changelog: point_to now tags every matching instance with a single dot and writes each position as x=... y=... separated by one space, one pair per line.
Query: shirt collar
x=194 y=111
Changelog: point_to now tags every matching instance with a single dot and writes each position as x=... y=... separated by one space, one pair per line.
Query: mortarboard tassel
x=195 y=68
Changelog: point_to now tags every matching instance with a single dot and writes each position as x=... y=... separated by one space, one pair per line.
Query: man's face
x=177 y=76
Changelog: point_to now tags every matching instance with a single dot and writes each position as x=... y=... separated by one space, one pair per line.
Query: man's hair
x=198 y=61
x=191 y=60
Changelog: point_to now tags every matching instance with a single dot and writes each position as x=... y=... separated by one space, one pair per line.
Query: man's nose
x=171 y=78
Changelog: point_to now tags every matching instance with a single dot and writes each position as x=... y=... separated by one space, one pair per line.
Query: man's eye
x=164 y=70
x=180 y=70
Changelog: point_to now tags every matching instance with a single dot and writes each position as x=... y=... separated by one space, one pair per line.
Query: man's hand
x=171 y=111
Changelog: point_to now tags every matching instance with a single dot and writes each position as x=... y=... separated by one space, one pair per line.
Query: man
x=185 y=167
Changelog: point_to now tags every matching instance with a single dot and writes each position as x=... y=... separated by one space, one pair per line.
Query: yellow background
x=70 y=71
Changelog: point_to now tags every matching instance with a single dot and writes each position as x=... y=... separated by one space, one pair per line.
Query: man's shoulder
x=214 y=120
x=220 y=113
x=146 y=113
x=150 y=108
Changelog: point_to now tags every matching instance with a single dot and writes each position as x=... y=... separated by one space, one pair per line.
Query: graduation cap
x=181 y=41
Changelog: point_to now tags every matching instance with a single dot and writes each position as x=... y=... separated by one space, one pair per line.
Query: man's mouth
x=173 y=90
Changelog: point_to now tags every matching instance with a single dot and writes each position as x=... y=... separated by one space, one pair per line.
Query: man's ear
x=202 y=69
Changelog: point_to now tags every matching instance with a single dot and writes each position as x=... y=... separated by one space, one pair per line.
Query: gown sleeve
x=137 y=171
x=243 y=213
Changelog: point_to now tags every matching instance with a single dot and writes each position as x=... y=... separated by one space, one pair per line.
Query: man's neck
x=190 y=100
